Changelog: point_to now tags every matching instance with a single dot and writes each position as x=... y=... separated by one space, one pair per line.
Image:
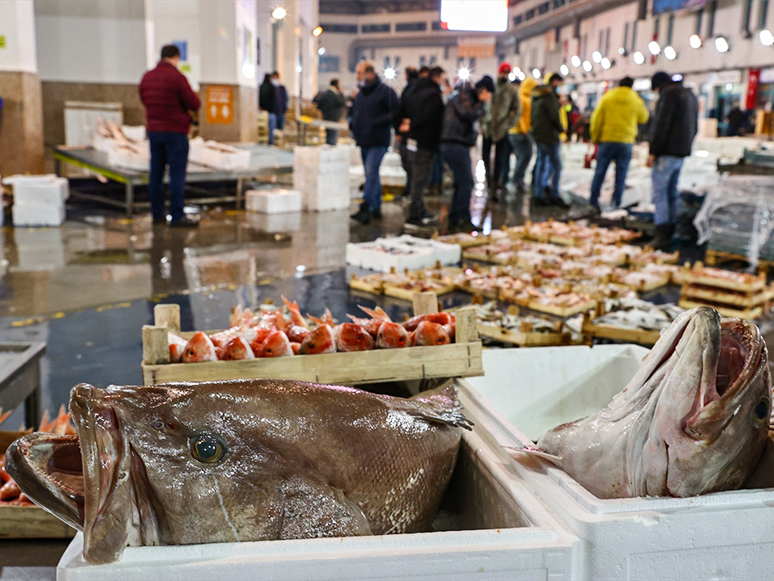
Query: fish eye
x=311 y=345
x=268 y=350
x=191 y=352
x=762 y=410
x=401 y=339
x=207 y=448
x=158 y=424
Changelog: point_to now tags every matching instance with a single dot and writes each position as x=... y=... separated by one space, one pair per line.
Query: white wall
x=89 y=41
x=17 y=25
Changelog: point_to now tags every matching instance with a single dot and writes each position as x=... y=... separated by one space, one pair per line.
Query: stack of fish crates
x=38 y=200
x=321 y=175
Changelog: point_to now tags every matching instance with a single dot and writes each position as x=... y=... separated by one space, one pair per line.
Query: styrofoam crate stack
x=273 y=201
x=38 y=200
x=526 y=392
x=446 y=254
x=402 y=252
x=321 y=174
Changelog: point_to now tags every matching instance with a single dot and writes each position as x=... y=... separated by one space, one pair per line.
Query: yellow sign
x=2 y=41
x=220 y=104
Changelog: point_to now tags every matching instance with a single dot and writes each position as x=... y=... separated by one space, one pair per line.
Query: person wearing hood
x=459 y=133
x=267 y=101
x=546 y=129
x=371 y=119
x=614 y=125
x=503 y=114
x=518 y=135
x=673 y=129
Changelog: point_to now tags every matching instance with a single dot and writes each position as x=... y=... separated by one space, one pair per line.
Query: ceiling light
x=522 y=76
x=279 y=13
x=767 y=39
x=299 y=68
x=606 y=64
x=321 y=50
x=638 y=57
x=670 y=53
x=317 y=31
x=729 y=86
x=565 y=70
x=536 y=73
x=677 y=77
x=389 y=73
x=575 y=61
x=695 y=41
x=587 y=66
x=463 y=74
x=622 y=51
x=596 y=56
x=654 y=48
x=721 y=44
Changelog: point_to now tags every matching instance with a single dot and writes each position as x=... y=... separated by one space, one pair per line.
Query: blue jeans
x=664 y=176
x=372 y=191
x=272 y=127
x=610 y=151
x=437 y=177
x=457 y=156
x=521 y=145
x=169 y=148
x=548 y=162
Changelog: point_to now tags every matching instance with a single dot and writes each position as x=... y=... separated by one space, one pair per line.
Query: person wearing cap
x=614 y=125
x=672 y=133
x=458 y=134
x=503 y=114
x=546 y=129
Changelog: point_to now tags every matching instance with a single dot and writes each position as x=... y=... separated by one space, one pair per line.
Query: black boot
x=363 y=215
x=663 y=238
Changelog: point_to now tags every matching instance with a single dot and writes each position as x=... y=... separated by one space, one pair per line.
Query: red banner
x=753 y=77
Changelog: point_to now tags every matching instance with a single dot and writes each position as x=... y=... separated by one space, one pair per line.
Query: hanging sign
x=753 y=79
x=476 y=47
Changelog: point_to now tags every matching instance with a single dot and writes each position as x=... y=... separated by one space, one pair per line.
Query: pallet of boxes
x=38 y=200
x=321 y=174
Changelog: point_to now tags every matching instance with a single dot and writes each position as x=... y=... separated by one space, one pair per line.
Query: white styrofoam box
x=81 y=120
x=355 y=156
x=326 y=201
x=46 y=189
x=528 y=391
x=392 y=159
x=31 y=214
x=321 y=158
x=135 y=156
x=195 y=150
x=134 y=133
x=274 y=201
x=274 y=223
x=384 y=258
x=446 y=254
x=499 y=530
x=224 y=157
x=392 y=176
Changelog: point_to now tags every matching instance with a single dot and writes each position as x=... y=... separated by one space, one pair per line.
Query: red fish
x=319 y=341
x=372 y=325
x=262 y=333
x=276 y=345
x=176 y=347
x=296 y=348
x=295 y=313
x=238 y=348
x=429 y=333
x=199 y=348
x=296 y=334
x=392 y=336
x=326 y=319
x=440 y=318
x=352 y=337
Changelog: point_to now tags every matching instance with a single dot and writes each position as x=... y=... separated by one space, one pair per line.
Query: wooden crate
x=460 y=359
x=31 y=522
x=724 y=310
x=641 y=336
x=562 y=312
x=524 y=338
x=715 y=257
x=368 y=284
x=471 y=242
x=695 y=277
x=407 y=294
x=726 y=297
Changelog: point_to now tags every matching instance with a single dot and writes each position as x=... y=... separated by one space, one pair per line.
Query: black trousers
x=421 y=162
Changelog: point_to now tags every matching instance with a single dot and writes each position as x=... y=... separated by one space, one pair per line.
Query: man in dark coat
x=331 y=104
x=168 y=101
x=546 y=129
x=422 y=118
x=412 y=76
x=672 y=132
x=371 y=119
x=267 y=101
x=282 y=100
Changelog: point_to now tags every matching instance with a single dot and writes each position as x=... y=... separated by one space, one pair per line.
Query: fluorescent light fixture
x=721 y=44
x=606 y=64
x=695 y=41
x=575 y=61
x=596 y=56
x=536 y=73
x=481 y=15
x=321 y=50
x=463 y=74
x=565 y=70
x=670 y=53
x=279 y=13
x=317 y=31
x=638 y=57
x=389 y=73
x=767 y=39
x=587 y=66
x=654 y=48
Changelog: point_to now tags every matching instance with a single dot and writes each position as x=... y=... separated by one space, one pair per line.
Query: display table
x=20 y=378
x=263 y=160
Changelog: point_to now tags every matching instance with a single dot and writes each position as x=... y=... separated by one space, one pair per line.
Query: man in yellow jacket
x=518 y=135
x=614 y=127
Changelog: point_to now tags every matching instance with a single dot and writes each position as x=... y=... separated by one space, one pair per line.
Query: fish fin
x=377 y=314
x=4 y=416
x=440 y=406
x=535 y=452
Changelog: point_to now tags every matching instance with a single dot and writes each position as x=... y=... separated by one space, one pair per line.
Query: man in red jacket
x=168 y=98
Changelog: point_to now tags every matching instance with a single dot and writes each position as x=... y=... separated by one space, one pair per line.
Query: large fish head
x=708 y=426
x=152 y=465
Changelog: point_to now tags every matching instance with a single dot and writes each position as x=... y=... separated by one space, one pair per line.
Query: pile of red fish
x=271 y=332
x=9 y=490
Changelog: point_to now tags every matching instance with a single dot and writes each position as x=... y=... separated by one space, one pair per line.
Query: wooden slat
x=530 y=339
x=740 y=299
x=640 y=336
x=407 y=294
x=155 y=345
x=31 y=522
x=466 y=323
x=425 y=303
x=725 y=311
x=167 y=316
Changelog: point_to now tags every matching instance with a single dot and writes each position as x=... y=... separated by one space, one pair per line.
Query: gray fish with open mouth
x=190 y=463
x=694 y=419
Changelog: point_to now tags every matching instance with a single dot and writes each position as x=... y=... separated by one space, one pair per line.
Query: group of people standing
x=273 y=98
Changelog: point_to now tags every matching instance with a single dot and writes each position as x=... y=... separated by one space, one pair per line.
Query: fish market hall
x=345 y=289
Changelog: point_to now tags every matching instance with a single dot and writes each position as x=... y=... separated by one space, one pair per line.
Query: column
x=21 y=132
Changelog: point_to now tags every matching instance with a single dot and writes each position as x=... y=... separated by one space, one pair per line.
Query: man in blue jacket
x=371 y=121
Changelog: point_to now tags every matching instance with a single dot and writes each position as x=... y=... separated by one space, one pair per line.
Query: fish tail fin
x=377 y=314
x=441 y=405
x=534 y=452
